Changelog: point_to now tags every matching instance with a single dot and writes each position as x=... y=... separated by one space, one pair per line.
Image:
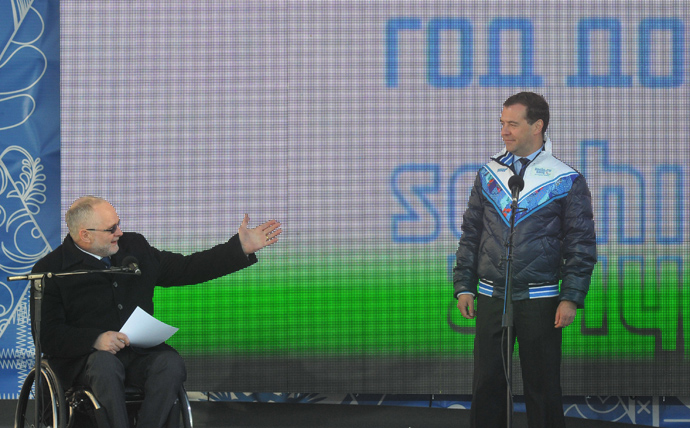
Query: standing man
x=82 y=314
x=554 y=242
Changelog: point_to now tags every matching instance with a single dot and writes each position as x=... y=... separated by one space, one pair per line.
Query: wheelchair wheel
x=181 y=413
x=52 y=411
x=186 y=409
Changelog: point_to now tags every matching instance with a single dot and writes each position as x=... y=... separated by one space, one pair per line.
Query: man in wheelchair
x=82 y=314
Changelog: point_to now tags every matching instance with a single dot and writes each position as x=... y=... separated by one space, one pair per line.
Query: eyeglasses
x=111 y=230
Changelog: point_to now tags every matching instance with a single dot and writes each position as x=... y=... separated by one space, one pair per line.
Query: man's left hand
x=565 y=314
x=253 y=240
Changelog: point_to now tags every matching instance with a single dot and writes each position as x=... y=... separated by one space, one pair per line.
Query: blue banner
x=29 y=168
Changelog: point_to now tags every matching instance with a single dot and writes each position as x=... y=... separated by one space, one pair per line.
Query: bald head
x=81 y=213
x=89 y=220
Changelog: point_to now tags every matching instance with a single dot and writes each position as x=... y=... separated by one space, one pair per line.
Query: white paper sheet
x=145 y=331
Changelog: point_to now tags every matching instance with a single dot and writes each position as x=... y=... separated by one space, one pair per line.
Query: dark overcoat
x=77 y=309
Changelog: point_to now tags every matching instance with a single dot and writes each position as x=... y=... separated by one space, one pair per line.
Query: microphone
x=131 y=264
x=516 y=184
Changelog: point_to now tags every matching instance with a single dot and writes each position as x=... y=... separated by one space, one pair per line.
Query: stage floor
x=278 y=415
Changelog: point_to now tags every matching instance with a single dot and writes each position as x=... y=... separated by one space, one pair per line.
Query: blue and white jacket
x=554 y=242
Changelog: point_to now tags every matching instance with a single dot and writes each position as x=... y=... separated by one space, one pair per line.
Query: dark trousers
x=540 y=357
x=160 y=374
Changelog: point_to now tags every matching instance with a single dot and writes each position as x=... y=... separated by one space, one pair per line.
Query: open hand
x=253 y=240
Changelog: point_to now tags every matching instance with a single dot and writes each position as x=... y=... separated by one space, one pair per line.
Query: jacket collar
x=72 y=256
x=506 y=158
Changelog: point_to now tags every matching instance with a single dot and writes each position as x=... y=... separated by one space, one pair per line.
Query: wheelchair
x=77 y=407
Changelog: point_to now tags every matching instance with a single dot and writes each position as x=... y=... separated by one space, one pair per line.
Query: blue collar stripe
x=507 y=158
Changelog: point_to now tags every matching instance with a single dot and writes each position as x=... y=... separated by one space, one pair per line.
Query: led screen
x=360 y=125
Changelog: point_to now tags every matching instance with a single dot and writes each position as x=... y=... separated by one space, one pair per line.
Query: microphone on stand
x=516 y=183
x=131 y=264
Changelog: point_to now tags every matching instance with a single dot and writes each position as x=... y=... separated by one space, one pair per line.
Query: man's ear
x=538 y=126
x=84 y=235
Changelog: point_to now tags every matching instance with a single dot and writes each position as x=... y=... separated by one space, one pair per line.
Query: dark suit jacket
x=77 y=309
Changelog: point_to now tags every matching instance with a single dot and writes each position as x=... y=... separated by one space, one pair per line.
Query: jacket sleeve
x=579 y=244
x=465 y=272
x=177 y=269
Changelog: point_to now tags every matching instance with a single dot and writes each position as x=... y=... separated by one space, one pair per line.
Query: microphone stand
x=507 y=322
x=38 y=284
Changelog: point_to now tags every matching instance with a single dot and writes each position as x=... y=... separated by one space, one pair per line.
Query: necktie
x=520 y=166
x=106 y=260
